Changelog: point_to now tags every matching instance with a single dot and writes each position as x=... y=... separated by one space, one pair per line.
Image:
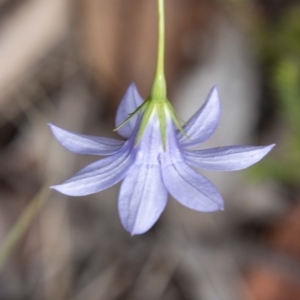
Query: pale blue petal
x=130 y=102
x=203 y=123
x=143 y=195
x=229 y=158
x=142 y=198
x=86 y=144
x=190 y=188
x=183 y=183
x=99 y=175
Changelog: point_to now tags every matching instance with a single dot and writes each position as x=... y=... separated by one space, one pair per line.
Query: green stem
x=159 y=89
x=161 y=39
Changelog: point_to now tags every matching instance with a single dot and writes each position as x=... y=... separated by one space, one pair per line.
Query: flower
x=152 y=165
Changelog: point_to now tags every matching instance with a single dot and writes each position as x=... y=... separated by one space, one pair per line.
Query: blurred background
x=69 y=63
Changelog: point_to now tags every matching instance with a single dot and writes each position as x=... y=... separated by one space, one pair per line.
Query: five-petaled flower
x=152 y=167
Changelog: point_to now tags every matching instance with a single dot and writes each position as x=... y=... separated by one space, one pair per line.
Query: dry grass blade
x=22 y=224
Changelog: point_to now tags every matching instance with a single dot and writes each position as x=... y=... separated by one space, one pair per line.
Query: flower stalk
x=159 y=88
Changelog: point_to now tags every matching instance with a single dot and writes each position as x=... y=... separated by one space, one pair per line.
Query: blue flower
x=152 y=166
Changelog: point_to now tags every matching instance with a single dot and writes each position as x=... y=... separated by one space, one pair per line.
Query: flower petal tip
x=53 y=128
x=214 y=89
x=60 y=188
x=271 y=146
x=55 y=187
x=221 y=206
x=132 y=85
x=136 y=230
x=136 y=233
x=214 y=92
x=50 y=125
x=267 y=150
